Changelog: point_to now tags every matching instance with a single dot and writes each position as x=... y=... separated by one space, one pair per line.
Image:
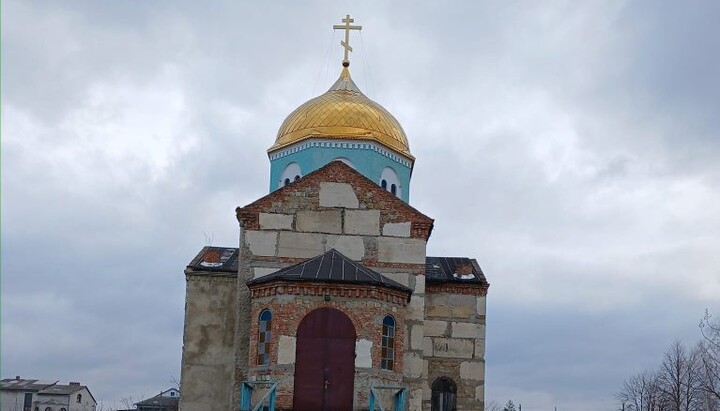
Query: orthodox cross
x=346 y=44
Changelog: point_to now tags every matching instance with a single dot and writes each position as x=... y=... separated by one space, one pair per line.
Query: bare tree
x=492 y=406
x=642 y=393
x=680 y=378
x=709 y=349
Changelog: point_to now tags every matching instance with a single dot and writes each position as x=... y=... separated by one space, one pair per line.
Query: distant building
x=165 y=401
x=20 y=394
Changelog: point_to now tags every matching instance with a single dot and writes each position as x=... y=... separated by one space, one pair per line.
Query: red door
x=325 y=362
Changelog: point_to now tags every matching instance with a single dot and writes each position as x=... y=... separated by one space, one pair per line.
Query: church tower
x=330 y=301
x=343 y=124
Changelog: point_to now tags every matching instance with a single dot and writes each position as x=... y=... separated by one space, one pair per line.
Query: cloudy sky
x=573 y=148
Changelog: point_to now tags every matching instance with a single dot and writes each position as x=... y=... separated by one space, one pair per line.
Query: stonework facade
x=330 y=293
x=440 y=322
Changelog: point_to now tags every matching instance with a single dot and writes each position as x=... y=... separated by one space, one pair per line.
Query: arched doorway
x=444 y=394
x=324 y=362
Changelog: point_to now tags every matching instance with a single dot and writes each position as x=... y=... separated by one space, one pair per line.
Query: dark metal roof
x=23 y=384
x=331 y=267
x=453 y=270
x=220 y=259
x=158 y=401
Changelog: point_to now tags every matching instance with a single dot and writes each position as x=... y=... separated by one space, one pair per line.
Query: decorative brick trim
x=454 y=288
x=334 y=290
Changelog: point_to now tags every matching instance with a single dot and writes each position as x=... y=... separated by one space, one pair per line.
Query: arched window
x=291 y=173
x=79 y=398
x=48 y=409
x=387 y=358
x=63 y=409
x=263 y=354
x=389 y=181
x=444 y=393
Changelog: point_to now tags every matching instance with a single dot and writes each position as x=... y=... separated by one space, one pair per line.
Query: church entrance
x=325 y=362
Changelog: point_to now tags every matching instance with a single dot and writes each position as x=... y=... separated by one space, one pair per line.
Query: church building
x=330 y=293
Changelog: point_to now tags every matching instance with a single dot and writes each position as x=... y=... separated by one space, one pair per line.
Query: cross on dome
x=346 y=43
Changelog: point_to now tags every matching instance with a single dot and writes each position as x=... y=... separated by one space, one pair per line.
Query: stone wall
x=336 y=207
x=454 y=342
x=208 y=342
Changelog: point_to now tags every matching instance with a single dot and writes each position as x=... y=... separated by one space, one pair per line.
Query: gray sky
x=571 y=147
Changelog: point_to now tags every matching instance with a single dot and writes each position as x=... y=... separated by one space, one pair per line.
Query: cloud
x=571 y=148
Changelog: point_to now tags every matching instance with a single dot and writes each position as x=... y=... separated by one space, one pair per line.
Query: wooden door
x=325 y=362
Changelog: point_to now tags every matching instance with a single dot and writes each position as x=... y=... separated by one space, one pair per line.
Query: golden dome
x=343 y=112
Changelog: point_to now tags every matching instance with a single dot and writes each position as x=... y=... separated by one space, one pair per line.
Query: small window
x=63 y=409
x=444 y=394
x=287 y=181
x=387 y=358
x=393 y=189
x=48 y=409
x=383 y=184
x=263 y=352
x=172 y=393
x=79 y=398
x=297 y=178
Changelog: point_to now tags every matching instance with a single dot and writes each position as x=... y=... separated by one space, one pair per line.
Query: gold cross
x=346 y=44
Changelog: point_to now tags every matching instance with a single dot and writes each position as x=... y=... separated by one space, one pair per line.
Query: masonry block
x=352 y=247
x=396 y=229
x=472 y=370
x=480 y=392
x=270 y=221
x=416 y=337
x=480 y=348
x=401 y=250
x=453 y=348
x=436 y=328
x=416 y=308
x=261 y=243
x=286 y=350
x=420 y=284
x=363 y=358
x=467 y=330
x=402 y=278
x=300 y=245
x=427 y=347
x=263 y=271
x=480 y=304
x=327 y=221
x=338 y=195
x=362 y=222
x=413 y=365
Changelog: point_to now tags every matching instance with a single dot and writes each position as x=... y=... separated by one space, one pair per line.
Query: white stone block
x=362 y=222
x=363 y=358
x=472 y=370
x=401 y=250
x=300 y=245
x=413 y=365
x=480 y=348
x=328 y=221
x=338 y=195
x=427 y=347
x=286 y=350
x=467 y=330
x=263 y=271
x=351 y=246
x=453 y=348
x=420 y=284
x=480 y=392
x=415 y=400
x=416 y=337
x=481 y=305
x=416 y=308
x=396 y=229
x=270 y=221
x=261 y=243
x=402 y=278
x=435 y=328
